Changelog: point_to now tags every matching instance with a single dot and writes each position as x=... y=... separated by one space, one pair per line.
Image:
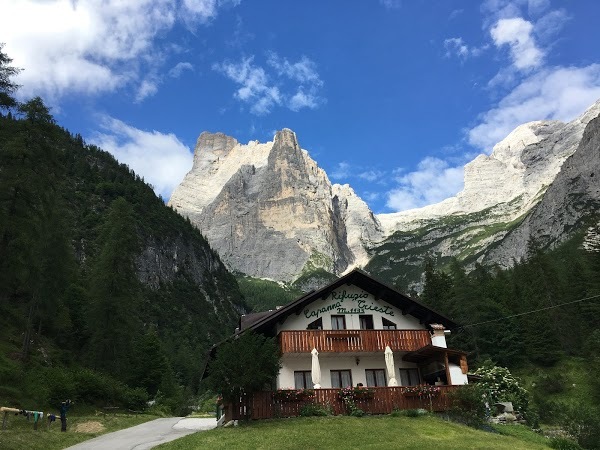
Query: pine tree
x=114 y=292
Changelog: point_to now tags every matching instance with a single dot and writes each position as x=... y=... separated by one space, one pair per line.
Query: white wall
x=285 y=379
x=350 y=301
x=456 y=374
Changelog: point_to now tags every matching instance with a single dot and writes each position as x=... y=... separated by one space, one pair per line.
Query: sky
x=390 y=96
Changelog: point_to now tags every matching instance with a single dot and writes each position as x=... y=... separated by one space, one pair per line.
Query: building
x=339 y=335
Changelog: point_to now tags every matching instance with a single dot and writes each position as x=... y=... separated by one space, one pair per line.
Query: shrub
x=501 y=386
x=562 y=443
x=357 y=412
x=313 y=409
x=468 y=405
x=551 y=383
x=135 y=399
x=583 y=423
x=409 y=412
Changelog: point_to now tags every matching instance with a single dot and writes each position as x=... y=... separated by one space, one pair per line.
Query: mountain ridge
x=276 y=195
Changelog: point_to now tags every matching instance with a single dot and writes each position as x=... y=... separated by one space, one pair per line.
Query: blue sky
x=390 y=96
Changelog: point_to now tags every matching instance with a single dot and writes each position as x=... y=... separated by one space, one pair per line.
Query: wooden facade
x=262 y=405
x=340 y=341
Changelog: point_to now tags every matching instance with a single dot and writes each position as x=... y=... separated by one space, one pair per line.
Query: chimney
x=438 y=335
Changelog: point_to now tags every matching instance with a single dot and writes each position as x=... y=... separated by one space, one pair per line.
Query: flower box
x=293 y=395
x=422 y=390
x=356 y=393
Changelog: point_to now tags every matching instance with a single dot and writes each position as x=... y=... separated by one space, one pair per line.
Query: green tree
x=245 y=364
x=114 y=292
x=7 y=87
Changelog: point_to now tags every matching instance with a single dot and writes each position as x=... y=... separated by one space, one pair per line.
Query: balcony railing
x=338 y=341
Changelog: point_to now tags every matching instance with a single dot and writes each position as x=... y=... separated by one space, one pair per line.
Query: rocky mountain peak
x=286 y=138
x=270 y=211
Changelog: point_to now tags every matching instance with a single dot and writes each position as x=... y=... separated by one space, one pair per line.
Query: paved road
x=147 y=435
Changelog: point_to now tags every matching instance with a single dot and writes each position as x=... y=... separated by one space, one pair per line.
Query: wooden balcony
x=339 y=341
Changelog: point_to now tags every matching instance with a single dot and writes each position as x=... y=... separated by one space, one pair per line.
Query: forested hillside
x=106 y=294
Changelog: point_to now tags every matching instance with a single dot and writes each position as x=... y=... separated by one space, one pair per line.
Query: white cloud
x=162 y=159
x=458 y=47
x=433 y=181
x=537 y=7
x=517 y=34
x=303 y=100
x=179 y=68
x=256 y=87
x=550 y=24
x=391 y=4
x=559 y=93
x=372 y=175
x=204 y=11
x=303 y=71
x=148 y=88
x=87 y=47
x=341 y=171
x=263 y=91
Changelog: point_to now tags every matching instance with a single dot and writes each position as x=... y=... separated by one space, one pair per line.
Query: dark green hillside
x=97 y=273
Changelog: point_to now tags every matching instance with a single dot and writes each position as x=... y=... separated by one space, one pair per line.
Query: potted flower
x=421 y=390
x=356 y=393
x=293 y=395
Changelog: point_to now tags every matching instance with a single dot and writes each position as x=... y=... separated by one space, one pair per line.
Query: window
x=316 y=325
x=340 y=378
x=375 y=377
x=388 y=324
x=409 y=377
x=366 y=322
x=303 y=379
x=338 y=323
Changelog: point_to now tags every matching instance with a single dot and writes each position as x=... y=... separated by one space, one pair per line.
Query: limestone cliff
x=482 y=222
x=270 y=211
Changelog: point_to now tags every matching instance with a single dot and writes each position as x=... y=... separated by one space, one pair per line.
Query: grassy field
x=368 y=432
x=19 y=433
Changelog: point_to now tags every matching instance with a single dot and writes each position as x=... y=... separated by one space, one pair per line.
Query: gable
x=355 y=283
x=350 y=301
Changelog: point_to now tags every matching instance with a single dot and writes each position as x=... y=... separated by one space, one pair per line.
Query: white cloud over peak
x=93 y=46
x=557 y=93
x=517 y=34
x=433 y=181
x=162 y=159
x=528 y=88
x=341 y=171
x=294 y=85
x=255 y=85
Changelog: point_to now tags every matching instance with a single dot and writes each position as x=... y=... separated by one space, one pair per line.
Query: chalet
x=359 y=331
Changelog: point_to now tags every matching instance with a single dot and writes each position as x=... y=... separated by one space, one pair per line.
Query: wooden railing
x=337 y=341
x=261 y=405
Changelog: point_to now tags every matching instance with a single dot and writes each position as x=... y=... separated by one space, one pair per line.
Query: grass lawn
x=345 y=432
x=19 y=433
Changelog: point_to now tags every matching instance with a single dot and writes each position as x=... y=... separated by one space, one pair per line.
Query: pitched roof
x=364 y=281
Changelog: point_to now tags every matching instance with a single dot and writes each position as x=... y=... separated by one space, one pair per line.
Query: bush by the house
x=501 y=386
x=468 y=405
x=314 y=409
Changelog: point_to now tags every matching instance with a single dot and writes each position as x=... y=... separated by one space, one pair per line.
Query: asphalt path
x=147 y=435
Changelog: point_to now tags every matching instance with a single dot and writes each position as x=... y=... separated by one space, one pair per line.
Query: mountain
x=96 y=272
x=500 y=193
x=271 y=212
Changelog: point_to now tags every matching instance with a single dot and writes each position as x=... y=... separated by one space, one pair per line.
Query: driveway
x=147 y=435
